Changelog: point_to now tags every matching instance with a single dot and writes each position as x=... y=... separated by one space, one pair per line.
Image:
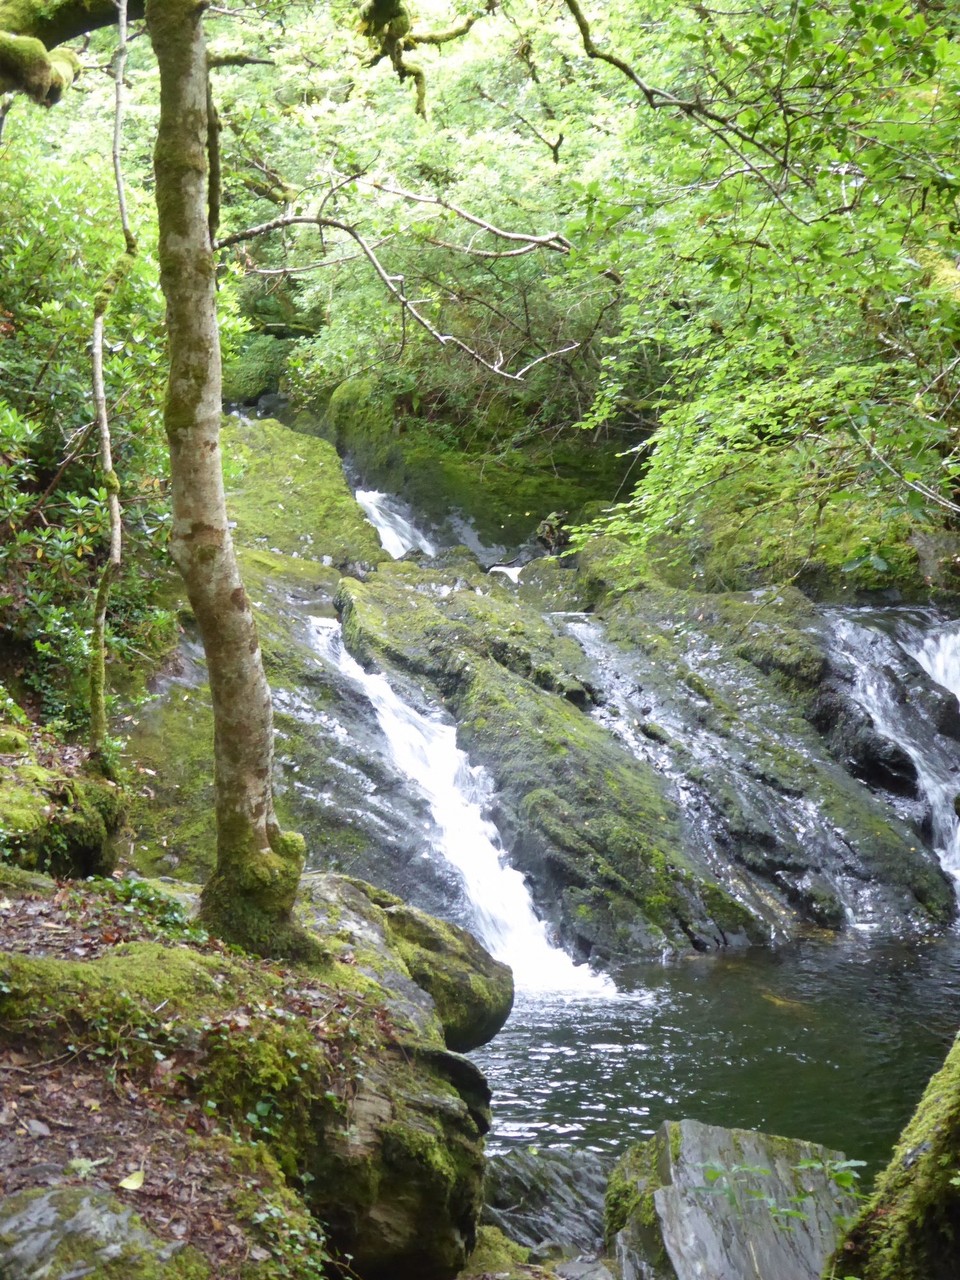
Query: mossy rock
x=356 y=1094
x=700 y=1200
x=287 y=494
x=910 y=1226
x=503 y=492
x=55 y=821
x=472 y=992
x=497 y=1255
x=517 y=689
x=65 y=1232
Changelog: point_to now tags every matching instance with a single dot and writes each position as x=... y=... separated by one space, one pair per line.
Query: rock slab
x=699 y=1202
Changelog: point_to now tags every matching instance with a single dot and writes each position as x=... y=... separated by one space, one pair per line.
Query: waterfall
x=389 y=517
x=424 y=749
x=881 y=695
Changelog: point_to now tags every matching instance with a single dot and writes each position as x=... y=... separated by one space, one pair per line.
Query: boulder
x=698 y=1200
x=63 y=1233
x=551 y=1202
x=339 y=1071
x=910 y=1227
x=431 y=968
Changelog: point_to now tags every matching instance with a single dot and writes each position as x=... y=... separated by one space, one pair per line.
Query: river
x=825 y=1040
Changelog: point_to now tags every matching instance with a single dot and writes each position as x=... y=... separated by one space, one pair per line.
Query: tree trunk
x=251 y=893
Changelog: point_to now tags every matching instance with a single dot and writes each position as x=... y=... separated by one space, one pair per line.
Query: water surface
x=828 y=1041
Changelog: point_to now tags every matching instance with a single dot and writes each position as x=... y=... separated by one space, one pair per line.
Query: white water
x=425 y=750
x=510 y=571
x=397 y=534
x=938 y=652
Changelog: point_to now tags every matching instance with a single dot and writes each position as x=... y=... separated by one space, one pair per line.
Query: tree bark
x=250 y=895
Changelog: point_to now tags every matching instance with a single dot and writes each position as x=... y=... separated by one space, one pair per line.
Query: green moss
x=96 y=1235
x=501 y=670
x=756 y=526
x=495 y=1254
x=630 y=1199
x=437 y=956
x=506 y=492
x=910 y=1226
x=50 y=821
x=288 y=495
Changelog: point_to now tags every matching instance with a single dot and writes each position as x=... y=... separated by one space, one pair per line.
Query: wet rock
x=854 y=741
x=699 y=1200
x=64 y=1233
x=549 y=1201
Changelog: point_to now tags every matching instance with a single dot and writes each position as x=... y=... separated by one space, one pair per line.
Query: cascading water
x=881 y=694
x=424 y=749
x=390 y=517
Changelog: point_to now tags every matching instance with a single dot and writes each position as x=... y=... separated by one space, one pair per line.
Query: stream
x=827 y=1040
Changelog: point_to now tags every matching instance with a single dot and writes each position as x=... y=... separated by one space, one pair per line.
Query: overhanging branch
x=395 y=286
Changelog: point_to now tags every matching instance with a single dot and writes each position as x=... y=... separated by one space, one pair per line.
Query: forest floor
x=80 y=1119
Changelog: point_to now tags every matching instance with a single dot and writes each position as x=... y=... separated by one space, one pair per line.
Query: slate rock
x=701 y=1201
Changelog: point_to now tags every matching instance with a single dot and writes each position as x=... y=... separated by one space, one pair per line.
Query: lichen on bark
x=251 y=894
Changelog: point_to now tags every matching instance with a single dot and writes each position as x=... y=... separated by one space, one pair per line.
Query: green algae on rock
x=612 y=877
x=66 y=1232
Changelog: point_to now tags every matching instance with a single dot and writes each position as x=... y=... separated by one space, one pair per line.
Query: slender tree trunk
x=250 y=896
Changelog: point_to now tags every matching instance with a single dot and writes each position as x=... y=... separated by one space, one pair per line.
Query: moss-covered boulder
x=469 y=991
x=699 y=1200
x=62 y=1233
x=288 y=495
x=503 y=489
x=339 y=1070
x=52 y=816
x=910 y=1227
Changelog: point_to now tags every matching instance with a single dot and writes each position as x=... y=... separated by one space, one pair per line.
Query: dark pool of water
x=825 y=1041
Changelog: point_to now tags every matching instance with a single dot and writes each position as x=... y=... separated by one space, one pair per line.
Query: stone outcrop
x=699 y=1200
x=63 y=1233
x=910 y=1226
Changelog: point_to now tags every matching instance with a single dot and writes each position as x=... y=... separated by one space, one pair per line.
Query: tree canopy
x=723 y=238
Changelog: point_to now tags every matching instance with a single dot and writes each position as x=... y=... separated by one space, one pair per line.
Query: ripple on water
x=830 y=1042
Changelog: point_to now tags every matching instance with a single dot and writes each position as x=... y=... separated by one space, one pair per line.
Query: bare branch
x=394 y=285
x=552 y=240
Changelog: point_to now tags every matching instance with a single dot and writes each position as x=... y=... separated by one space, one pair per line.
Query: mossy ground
x=287 y=1069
